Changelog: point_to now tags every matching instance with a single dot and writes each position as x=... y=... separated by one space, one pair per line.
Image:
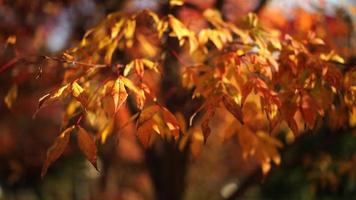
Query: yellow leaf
x=11 y=96
x=106 y=132
x=119 y=93
x=146 y=45
x=162 y=27
x=176 y=3
x=59 y=92
x=117 y=28
x=128 y=68
x=338 y=59
x=109 y=52
x=130 y=28
x=129 y=84
x=178 y=28
x=77 y=90
x=79 y=94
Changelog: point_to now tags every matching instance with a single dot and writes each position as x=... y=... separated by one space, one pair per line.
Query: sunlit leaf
x=171 y=122
x=119 y=93
x=11 y=96
x=78 y=93
x=130 y=85
x=57 y=149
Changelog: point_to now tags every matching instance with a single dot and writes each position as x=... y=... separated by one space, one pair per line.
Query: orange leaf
x=147 y=114
x=57 y=149
x=87 y=145
x=233 y=108
x=171 y=122
x=145 y=131
x=246 y=90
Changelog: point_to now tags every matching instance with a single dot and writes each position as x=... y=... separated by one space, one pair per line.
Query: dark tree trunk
x=167 y=166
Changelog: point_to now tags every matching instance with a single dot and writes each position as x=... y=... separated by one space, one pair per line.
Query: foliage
x=264 y=81
x=168 y=80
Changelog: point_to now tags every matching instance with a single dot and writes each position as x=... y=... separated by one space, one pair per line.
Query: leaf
x=145 y=131
x=129 y=84
x=78 y=93
x=309 y=109
x=233 y=108
x=205 y=124
x=178 y=28
x=150 y=65
x=146 y=125
x=43 y=99
x=116 y=28
x=119 y=94
x=11 y=96
x=59 y=92
x=171 y=122
x=109 y=52
x=130 y=28
x=77 y=90
x=106 y=131
x=87 y=145
x=147 y=114
x=176 y=3
x=53 y=95
x=246 y=90
x=128 y=68
x=57 y=149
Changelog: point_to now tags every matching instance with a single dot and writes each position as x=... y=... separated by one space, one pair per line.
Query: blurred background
x=319 y=165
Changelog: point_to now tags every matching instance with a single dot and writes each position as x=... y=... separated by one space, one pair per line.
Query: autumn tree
x=171 y=84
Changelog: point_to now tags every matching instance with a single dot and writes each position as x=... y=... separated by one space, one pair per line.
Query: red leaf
x=309 y=109
x=205 y=124
x=57 y=149
x=246 y=90
x=87 y=145
x=145 y=131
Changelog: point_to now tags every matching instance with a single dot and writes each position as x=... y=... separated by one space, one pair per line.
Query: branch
x=260 y=6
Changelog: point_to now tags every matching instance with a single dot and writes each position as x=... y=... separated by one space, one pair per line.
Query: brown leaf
x=87 y=145
x=233 y=108
x=57 y=149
